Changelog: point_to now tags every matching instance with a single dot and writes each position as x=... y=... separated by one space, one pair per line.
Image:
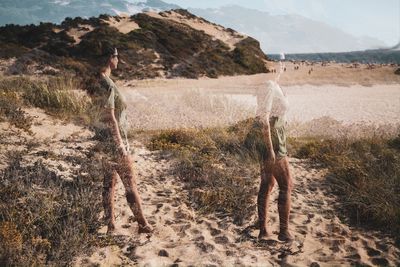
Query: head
x=109 y=58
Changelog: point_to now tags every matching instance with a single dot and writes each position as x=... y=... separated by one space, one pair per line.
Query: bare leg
x=132 y=195
x=284 y=179
x=109 y=181
x=266 y=186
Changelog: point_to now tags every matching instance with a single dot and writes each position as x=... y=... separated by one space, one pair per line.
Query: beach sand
x=185 y=237
x=353 y=107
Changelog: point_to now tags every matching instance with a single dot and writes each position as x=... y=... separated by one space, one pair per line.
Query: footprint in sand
x=214 y=231
x=308 y=220
x=205 y=247
x=380 y=261
x=301 y=229
x=372 y=252
x=382 y=246
x=221 y=240
x=158 y=207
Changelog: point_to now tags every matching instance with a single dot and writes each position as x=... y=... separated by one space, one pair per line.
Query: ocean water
x=369 y=56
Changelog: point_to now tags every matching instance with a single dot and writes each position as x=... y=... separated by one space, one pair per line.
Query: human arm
x=265 y=97
x=116 y=134
x=268 y=140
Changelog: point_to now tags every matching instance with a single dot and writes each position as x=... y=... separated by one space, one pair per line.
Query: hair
x=107 y=50
x=91 y=80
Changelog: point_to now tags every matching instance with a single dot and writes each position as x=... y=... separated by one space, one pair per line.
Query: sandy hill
x=169 y=44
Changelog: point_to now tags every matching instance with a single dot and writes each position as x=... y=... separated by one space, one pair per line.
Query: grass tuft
x=365 y=174
x=218 y=172
x=43 y=218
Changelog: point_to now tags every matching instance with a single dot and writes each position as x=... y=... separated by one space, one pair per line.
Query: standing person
x=113 y=127
x=270 y=128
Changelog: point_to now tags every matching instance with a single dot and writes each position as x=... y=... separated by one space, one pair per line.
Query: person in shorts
x=268 y=138
x=112 y=131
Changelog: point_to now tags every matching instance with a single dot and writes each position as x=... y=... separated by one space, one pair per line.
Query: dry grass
x=364 y=173
x=58 y=96
x=218 y=170
x=219 y=167
x=10 y=110
x=45 y=219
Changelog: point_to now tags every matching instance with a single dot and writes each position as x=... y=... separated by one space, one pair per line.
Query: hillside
x=291 y=33
x=167 y=44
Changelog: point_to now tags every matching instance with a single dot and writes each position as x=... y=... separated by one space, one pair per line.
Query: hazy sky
x=375 y=18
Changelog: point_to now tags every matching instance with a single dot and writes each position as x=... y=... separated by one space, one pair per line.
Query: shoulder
x=107 y=85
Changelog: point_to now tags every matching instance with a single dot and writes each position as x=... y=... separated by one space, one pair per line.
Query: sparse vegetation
x=217 y=168
x=365 y=174
x=57 y=95
x=11 y=111
x=43 y=218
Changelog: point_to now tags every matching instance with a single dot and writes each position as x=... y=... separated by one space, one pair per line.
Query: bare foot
x=145 y=229
x=285 y=236
x=264 y=234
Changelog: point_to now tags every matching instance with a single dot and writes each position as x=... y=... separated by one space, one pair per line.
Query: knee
x=287 y=187
x=267 y=185
x=270 y=185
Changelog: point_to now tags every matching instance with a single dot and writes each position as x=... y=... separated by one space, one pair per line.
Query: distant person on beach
x=112 y=131
x=268 y=138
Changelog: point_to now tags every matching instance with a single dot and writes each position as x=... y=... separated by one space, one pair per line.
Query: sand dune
x=184 y=237
x=216 y=31
x=51 y=141
x=124 y=24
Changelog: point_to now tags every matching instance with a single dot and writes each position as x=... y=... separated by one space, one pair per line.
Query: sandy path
x=183 y=237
